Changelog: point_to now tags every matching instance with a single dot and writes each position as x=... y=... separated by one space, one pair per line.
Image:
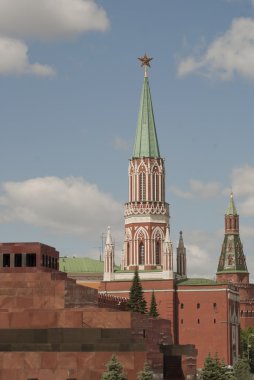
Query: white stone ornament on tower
x=167 y=257
x=109 y=258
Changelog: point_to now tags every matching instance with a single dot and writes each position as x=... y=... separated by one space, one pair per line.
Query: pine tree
x=146 y=374
x=114 y=370
x=242 y=369
x=247 y=339
x=214 y=369
x=137 y=301
x=153 y=307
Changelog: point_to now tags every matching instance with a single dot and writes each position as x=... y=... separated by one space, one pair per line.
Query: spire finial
x=145 y=61
x=109 y=237
x=231 y=210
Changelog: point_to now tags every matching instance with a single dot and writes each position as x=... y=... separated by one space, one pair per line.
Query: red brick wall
x=63 y=365
x=24 y=248
x=234 y=277
x=202 y=323
x=164 y=294
x=38 y=301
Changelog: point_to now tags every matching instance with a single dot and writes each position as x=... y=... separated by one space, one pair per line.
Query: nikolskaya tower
x=147 y=244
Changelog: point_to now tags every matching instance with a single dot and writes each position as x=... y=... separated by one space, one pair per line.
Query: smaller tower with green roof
x=232 y=264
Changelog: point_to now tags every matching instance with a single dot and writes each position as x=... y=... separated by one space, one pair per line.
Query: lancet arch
x=157 y=241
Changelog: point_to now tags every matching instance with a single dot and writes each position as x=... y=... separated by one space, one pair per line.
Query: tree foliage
x=214 y=369
x=146 y=374
x=247 y=338
x=137 y=301
x=114 y=370
x=153 y=312
x=242 y=370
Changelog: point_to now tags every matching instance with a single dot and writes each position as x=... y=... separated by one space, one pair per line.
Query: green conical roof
x=232 y=258
x=231 y=210
x=146 y=143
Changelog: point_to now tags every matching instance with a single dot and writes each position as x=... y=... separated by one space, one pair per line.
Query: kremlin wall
x=54 y=327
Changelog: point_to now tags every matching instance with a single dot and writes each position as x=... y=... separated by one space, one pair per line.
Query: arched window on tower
x=155 y=186
x=141 y=254
x=142 y=187
x=162 y=189
x=157 y=253
x=128 y=253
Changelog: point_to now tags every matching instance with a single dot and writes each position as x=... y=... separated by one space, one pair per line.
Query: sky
x=70 y=85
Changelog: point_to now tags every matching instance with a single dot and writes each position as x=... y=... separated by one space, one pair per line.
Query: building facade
x=199 y=310
x=232 y=266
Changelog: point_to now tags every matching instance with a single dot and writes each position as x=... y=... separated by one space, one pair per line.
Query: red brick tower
x=147 y=244
x=232 y=264
x=233 y=268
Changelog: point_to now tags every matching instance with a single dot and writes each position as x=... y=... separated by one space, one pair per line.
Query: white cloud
x=199 y=189
x=205 y=190
x=202 y=252
x=243 y=185
x=44 y=20
x=180 y=193
x=120 y=144
x=229 y=54
x=199 y=262
x=243 y=180
x=65 y=206
x=50 y=19
x=14 y=59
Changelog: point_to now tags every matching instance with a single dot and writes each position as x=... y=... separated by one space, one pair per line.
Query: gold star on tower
x=145 y=61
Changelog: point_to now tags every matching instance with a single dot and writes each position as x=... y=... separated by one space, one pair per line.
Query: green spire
x=232 y=258
x=231 y=210
x=146 y=143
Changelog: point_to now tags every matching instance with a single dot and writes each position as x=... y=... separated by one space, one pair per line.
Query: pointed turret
x=109 y=258
x=146 y=143
x=232 y=264
x=167 y=256
x=181 y=256
x=231 y=210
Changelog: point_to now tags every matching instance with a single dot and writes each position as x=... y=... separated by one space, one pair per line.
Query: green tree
x=114 y=370
x=214 y=369
x=137 y=301
x=146 y=374
x=153 y=312
x=247 y=339
x=242 y=369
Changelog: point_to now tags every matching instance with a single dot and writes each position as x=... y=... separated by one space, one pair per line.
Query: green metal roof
x=80 y=265
x=232 y=258
x=231 y=210
x=196 y=281
x=146 y=143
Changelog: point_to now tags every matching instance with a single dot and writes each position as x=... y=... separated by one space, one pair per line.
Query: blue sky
x=70 y=86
